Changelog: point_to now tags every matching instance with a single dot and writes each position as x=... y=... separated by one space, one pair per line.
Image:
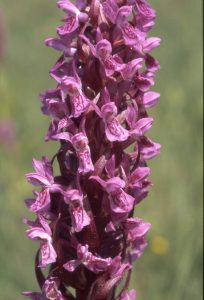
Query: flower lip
x=71 y=25
x=68 y=6
x=80 y=141
x=71 y=86
x=109 y=110
x=129 y=31
x=145 y=9
x=103 y=49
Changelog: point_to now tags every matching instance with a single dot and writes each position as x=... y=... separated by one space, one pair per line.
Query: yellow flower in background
x=159 y=245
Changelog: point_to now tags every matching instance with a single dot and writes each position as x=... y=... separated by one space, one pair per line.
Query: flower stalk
x=87 y=234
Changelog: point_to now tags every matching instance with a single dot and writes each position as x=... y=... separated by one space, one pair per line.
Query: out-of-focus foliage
x=171 y=267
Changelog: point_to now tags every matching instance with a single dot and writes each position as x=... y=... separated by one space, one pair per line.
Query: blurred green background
x=171 y=267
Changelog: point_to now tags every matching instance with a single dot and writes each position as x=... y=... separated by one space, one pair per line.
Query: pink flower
x=80 y=143
x=40 y=231
x=79 y=216
x=94 y=263
x=74 y=16
x=85 y=196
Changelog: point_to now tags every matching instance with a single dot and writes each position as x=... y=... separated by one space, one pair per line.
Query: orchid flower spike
x=84 y=197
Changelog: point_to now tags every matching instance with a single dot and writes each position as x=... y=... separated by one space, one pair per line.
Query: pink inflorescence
x=84 y=223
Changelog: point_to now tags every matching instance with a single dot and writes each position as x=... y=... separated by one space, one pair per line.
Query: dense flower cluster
x=84 y=215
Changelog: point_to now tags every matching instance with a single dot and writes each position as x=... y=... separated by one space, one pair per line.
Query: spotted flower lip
x=90 y=261
x=131 y=35
x=73 y=18
x=121 y=203
x=50 y=291
x=40 y=230
x=79 y=216
x=84 y=197
x=113 y=129
x=119 y=16
x=40 y=203
x=80 y=143
x=145 y=9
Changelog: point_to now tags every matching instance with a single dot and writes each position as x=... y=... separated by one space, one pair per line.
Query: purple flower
x=78 y=214
x=52 y=104
x=40 y=231
x=80 y=143
x=43 y=175
x=138 y=126
x=149 y=99
x=94 y=263
x=131 y=68
x=135 y=228
x=81 y=147
x=149 y=149
x=120 y=202
x=113 y=129
x=79 y=102
x=137 y=177
x=50 y=291
x=131 y=35
x=85 y=196
x=145 y=9
x=145 y=16
x=41 y=202
x=74 y=16
x=108 y=112
x=150 y=44
x=119 y=16
x=61 y=44
x=103 y=51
